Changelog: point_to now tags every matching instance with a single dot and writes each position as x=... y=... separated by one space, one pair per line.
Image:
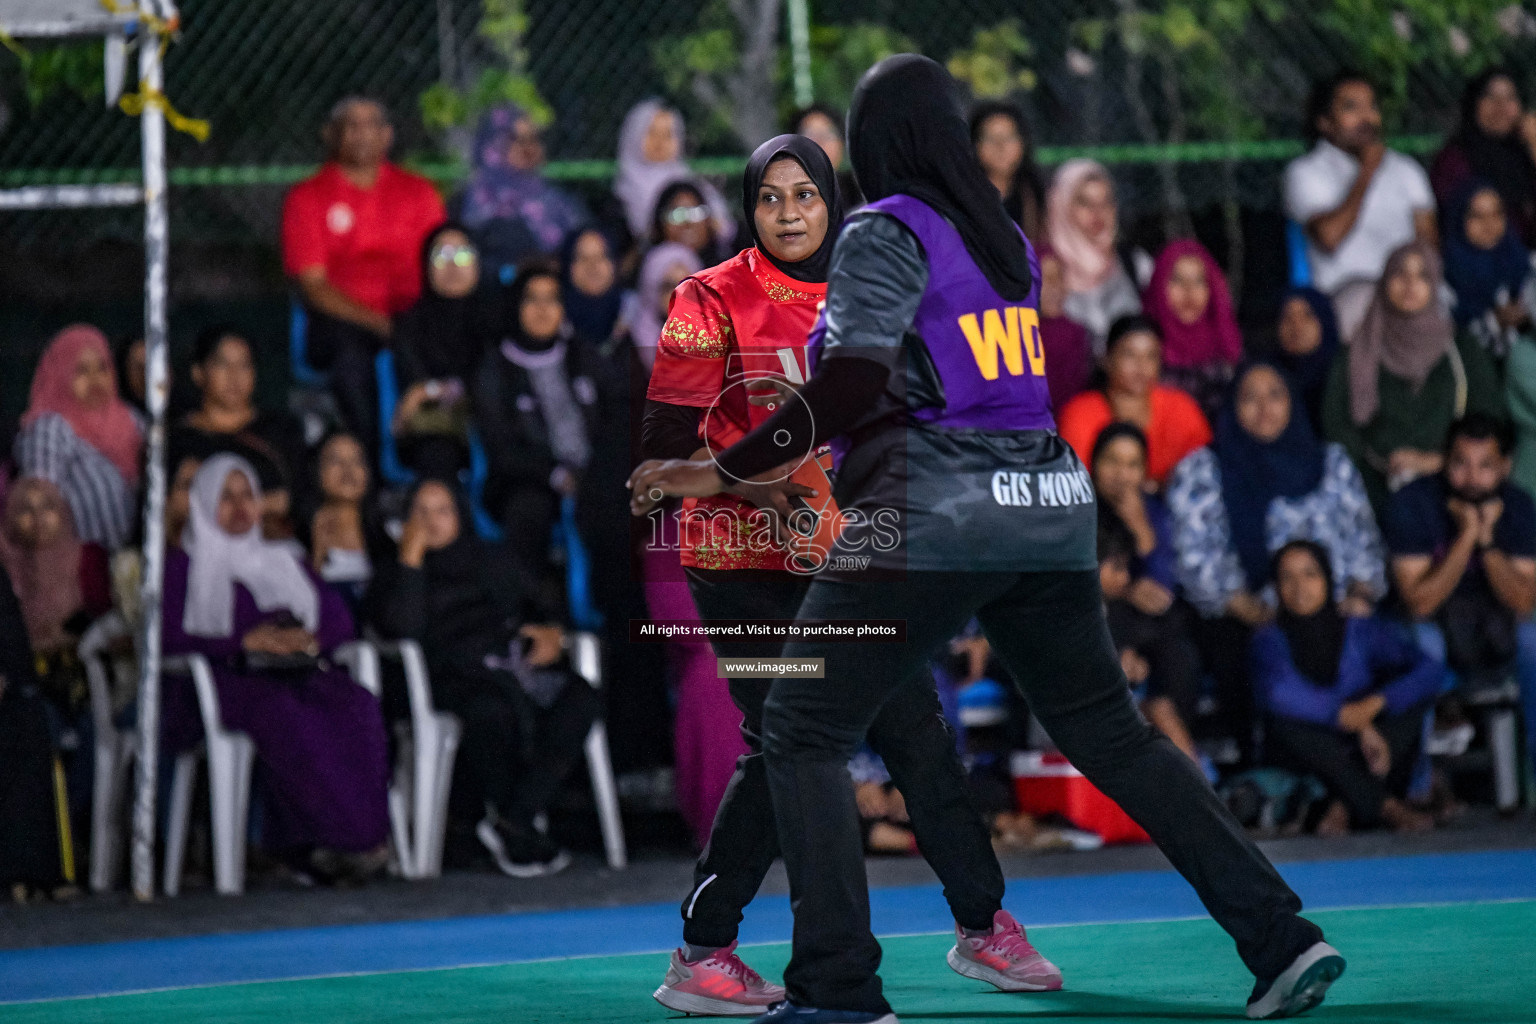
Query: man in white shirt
x=1357 y=200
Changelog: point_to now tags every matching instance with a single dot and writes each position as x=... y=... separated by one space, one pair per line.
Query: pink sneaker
x=720 y=985
x=1004 y=959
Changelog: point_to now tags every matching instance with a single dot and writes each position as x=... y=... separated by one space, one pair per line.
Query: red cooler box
x=1048 y=784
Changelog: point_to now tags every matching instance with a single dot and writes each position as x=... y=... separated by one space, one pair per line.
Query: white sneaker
x=1300 y=986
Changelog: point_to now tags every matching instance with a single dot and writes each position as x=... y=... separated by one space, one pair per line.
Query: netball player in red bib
x=731 y=330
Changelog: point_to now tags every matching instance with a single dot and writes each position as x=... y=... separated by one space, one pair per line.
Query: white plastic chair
x=361 y=660
x=1500 y=707
x=587 y=660
x=424 y=767
x=435 y=744
x=230 y=755
x=115 y=751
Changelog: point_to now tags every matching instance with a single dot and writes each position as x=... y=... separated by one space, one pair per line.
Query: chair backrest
x=479 y=473
x=94 y=656
x=1296 y=251
x=197 y=666
x=361 y=660
x=418 y=683
x=390 y=467
x=586 y=658
x=298 y=349
x=578 y=570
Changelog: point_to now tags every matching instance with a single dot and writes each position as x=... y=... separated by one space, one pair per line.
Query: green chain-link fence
x=1197 y=101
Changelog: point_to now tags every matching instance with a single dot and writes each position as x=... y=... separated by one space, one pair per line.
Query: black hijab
x=591 y=316
x=813 y=160
x=1503 y=160
x=440 y=337
x=907 y=135
x=1309 y=372
x=473 y=586
x=120 y=349
x=514 y=306
x=1026 y=196
x=1254 y=473
x=1317 y=640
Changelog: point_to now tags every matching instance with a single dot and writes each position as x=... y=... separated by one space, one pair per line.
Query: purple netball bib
x=973 y=477
x=987 y=351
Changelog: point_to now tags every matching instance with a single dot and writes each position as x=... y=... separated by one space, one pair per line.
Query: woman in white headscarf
x=650 y=159
x=266 y=622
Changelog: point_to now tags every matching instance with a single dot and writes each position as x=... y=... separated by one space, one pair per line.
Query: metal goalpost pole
x=69 y=19
x=157 y=379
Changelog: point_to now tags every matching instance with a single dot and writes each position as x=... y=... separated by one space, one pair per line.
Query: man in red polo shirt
x=352 y=238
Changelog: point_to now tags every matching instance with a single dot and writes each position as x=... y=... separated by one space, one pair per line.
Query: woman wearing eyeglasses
x=437 y=343
x=684 y=216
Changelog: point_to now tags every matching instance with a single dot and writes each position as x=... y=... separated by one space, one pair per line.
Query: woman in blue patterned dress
x=1264 y=481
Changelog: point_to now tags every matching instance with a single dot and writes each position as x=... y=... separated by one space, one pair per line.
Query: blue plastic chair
x=1296 y=251
x=390 y=467
x=564 y=537
x=398 y=474
x=304 y=375
x=479 y=473
x=578 y=570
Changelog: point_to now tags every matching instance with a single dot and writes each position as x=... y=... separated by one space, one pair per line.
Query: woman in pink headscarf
x=61 y=586
x=79 y=435
x=55 y=576
x=1189 y=299
x=1082 y=220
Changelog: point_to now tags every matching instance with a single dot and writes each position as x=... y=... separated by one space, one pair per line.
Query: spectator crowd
x=1317 y=540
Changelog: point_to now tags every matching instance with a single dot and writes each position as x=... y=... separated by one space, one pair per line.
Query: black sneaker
x=788 y=1013
x=521 y=851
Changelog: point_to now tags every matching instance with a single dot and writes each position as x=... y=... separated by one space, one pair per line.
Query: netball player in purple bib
x=962 y=501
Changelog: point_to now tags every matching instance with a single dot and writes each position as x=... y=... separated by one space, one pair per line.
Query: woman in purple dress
x=320 y=743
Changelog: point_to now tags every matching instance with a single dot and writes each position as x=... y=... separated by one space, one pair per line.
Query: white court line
x=668 y=950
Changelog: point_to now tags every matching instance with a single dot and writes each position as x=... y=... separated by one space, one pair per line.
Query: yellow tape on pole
x=133 y=104
x=16 y=48
x=66 y=834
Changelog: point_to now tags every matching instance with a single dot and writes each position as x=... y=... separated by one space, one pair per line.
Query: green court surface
x=1469 y=962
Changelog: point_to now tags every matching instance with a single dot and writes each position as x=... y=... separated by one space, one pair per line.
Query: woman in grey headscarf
x=650 y=159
